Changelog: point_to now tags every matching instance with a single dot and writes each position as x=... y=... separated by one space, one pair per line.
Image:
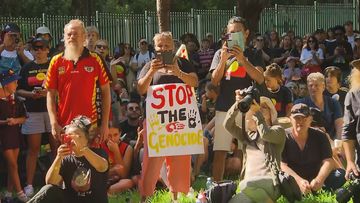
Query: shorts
x=222 y=138
x=36 y=123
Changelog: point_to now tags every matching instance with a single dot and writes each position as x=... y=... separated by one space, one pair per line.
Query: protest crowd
x=81 y=123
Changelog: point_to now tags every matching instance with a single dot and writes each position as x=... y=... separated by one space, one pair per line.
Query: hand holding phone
x=236 y=38
x=167 y=57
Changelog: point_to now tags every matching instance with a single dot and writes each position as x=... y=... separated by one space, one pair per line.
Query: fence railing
x=131 y=27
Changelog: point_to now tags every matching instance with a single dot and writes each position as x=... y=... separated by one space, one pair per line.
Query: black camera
x=249 y=95
x=343 y=195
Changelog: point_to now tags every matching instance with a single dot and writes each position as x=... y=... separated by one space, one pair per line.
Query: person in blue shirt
x=330 y=108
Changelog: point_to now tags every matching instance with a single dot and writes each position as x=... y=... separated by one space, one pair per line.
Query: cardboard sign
x=173 y=121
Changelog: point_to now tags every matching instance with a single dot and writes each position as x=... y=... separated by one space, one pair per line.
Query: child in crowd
x=294 y=88
x=120 y=159
x=208 y=101
x=291 y=72
x=303 y=91
x=275 y=90
x=12 y=115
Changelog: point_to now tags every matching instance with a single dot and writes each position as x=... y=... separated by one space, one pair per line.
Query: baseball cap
x=300 y=110
x=41 y=41
x=11 y=27
x=290 y=58
x=142 y=40
x=8 y=76
x=43 y=30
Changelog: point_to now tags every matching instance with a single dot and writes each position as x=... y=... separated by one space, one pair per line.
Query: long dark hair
x=312 y=38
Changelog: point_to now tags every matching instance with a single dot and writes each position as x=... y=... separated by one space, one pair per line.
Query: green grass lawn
x=163 y=196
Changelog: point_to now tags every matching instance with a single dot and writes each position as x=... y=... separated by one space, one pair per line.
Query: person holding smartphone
x=12 y=51
x=164 y=70
x=30 y=87
x=232 y=69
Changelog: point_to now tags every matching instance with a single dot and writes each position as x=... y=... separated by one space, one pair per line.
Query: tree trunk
x=163 y=14
x=79 y=7
x=251 y=10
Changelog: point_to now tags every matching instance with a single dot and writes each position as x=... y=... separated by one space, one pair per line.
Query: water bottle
x=209 y=183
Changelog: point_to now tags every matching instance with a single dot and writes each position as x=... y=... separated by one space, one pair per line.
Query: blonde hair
x=163 y=35
x=354 y=79
x=316 y=77
x=75 y=22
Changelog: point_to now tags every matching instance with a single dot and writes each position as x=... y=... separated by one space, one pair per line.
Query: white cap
x=43 y=30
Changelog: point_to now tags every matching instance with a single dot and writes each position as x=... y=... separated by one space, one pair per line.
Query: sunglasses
x=99 y=46
x=37 y=48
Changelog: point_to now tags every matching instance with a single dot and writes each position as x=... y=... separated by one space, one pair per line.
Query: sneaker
x=21 y=196
x=29 y=190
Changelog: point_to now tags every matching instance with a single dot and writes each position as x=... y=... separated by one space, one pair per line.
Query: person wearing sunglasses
x=30 y=87
x=312 y=56
x=339 y=52
x=12 y=50
x=259 y=45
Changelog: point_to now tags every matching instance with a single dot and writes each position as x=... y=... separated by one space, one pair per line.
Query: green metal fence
x=131 y=27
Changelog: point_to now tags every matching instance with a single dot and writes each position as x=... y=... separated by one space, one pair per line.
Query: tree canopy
x=34 y=8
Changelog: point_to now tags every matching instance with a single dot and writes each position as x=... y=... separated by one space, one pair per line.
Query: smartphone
x=236 y=38
x=168 y=57
x=38 y=89
x=66 y=139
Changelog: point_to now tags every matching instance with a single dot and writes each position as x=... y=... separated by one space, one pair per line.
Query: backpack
x=137 y=55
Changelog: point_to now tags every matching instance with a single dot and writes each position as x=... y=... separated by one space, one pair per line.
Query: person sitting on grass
x=307 y=154
x=83 y=170
x=120 y=159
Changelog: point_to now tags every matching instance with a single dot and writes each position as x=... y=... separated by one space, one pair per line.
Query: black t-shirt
x=98 y=186
x=236 y=79
x=307 y=162
x=280 y=98
x=11 y=109
x=164 y=78
x=33 y=75
x=340 y=98
x=129 y=130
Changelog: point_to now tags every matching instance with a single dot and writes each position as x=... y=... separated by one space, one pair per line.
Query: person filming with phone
x=82 y=169
x=12 y=50
x=234 y=67
x=165 y=69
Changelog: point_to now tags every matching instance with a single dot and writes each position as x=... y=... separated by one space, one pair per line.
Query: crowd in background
x=312 y=69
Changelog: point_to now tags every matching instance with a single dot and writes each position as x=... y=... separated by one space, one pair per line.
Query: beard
x=72 y=51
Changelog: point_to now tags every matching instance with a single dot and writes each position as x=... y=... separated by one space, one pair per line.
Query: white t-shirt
x=306 y=55
x=351 y=40
x=9 y=59
x=142 y=59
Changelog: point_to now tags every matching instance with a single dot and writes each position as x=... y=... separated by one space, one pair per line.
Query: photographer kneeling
x=257 y=180
x=83 y=170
